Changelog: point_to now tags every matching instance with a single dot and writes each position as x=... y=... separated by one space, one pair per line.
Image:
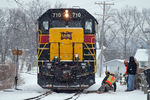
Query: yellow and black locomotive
x=66 y=49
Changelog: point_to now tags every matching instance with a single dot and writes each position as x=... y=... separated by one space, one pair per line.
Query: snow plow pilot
x=108 y=83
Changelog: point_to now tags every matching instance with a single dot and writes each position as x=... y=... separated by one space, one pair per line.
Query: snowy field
x=31 y=89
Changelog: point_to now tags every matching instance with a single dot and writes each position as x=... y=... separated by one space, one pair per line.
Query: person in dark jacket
x=131 y=71
x=108 y=83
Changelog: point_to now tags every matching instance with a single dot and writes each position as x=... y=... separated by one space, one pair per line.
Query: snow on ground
x=31 y=89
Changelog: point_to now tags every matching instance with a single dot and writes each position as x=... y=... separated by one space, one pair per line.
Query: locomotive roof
x=82 y=11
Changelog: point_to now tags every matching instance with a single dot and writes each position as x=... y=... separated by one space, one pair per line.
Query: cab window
x=88 y=26
x=45 y=25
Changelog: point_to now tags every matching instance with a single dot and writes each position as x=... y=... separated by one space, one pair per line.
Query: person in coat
x=131 y=71
x=126 y=65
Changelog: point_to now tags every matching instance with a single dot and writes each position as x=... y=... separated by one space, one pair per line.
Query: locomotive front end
x=66 y=50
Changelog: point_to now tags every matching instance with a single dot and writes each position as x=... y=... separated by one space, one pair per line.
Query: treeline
x=18 y=30
x=125 y=30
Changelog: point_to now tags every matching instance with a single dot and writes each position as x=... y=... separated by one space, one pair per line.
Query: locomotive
x=66 y=58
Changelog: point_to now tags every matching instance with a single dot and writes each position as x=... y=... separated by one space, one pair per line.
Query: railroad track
x=40 y=96
x=77 y=94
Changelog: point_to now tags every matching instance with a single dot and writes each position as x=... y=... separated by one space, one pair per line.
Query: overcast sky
x=87 y=4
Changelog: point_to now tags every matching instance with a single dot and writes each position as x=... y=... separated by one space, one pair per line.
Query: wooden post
x=17 y=53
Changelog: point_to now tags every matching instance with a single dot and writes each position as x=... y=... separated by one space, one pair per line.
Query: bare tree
x=110 y=32
x=1 y=31
x=28 y=17
x=144 y=26
x=4 y=34
x=145 y=30
x=128 y=23
x=107 y=24
x=59 y=5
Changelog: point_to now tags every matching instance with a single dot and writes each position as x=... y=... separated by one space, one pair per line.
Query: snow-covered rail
x=40 y=96
x=77 y=94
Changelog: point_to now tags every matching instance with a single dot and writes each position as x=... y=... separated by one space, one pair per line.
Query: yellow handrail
x=41 y=50
x=95 y=62
x=94 y=57
x=89 y=50
x=38 y=50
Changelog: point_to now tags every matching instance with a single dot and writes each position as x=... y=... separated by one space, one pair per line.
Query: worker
x=108 y=83
x=125 y=75
x=126 y=65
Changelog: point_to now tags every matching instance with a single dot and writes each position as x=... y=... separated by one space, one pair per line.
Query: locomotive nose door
x=66 y=43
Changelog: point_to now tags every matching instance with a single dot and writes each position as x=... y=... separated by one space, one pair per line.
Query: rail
x=40 y=96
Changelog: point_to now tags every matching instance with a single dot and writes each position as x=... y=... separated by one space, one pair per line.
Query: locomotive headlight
x=66 y=14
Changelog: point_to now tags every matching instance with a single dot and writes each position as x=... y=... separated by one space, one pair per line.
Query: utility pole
x=102 y=33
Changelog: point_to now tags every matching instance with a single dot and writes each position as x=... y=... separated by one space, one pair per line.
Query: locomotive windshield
x=88 y=26
x=62 y=23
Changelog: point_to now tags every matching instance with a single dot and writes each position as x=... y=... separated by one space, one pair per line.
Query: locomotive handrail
x=89 y=49
x=95 y=62
x=43 y=48
x=38 y=50
x=39 y=41
x=92 y=44
x=95 y=69
x=39 y=54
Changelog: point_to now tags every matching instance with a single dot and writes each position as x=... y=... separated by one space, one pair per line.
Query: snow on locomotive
x=66 y=49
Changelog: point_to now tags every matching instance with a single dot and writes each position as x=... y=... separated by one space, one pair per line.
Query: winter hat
x=131 y=59
x=107 y=72
x=125 y=61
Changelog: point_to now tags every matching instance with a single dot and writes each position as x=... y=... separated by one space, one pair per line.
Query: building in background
x=115 y=66
x=142 y=57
